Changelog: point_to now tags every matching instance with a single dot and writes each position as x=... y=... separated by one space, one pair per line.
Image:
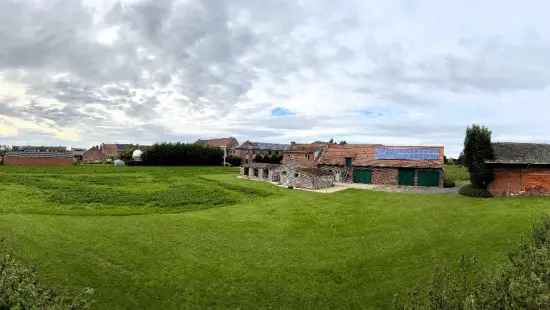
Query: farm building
x=249 y=150
x=104 y=152
x=38 y=158
x=520 y=169
x=262 y=171
x=228 y=144
x=386 y=165
x=320 y=165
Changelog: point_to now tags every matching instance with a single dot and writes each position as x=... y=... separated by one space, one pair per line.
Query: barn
x=385 y=165
x=520 y=169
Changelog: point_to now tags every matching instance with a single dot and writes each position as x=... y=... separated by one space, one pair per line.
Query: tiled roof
x=306 y=148
x=221 y=142
x=521 y=153
x=365 y=155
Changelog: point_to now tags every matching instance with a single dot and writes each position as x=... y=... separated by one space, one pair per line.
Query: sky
x=83 y=72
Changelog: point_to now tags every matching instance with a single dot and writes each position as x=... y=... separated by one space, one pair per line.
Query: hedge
x=181 y=154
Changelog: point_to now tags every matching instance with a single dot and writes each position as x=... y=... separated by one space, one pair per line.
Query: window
x=296 y=175
x=349 y=162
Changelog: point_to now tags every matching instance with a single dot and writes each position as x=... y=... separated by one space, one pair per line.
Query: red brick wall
x=386 y=176
x=521 y=181
x=37 y=161
x=93 y=155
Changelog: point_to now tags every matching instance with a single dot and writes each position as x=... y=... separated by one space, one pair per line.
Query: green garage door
x=362 y=176
x=428 y=178
x=406 y=177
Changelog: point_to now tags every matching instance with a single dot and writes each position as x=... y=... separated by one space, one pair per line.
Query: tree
x=478 y=149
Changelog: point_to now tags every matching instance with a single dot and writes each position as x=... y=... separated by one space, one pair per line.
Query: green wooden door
x=428 y=178
x=362 y=176
x=406 y=177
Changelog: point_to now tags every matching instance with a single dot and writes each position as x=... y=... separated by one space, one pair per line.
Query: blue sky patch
x=279 y=111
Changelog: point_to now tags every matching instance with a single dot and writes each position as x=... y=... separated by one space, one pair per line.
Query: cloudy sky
x=81 y=72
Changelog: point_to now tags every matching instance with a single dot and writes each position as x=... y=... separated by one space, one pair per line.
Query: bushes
x=20 y=289
x=523 y=283
x=180 y=154
x=234 y=161
x=471 y=191
x=269 y=159
x=448 y=183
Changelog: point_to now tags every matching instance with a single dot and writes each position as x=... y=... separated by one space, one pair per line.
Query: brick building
x=228 y=144
x=38 y=158
x=320 y=165
x=104 y=152
x=520 y=169
x=249 y=150
x=385 y=165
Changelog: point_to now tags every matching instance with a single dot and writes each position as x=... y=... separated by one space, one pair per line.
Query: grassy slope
x=290 y=249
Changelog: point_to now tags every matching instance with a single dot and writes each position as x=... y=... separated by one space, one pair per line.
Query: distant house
x=38 y=156
x=78 y=153
x=249 y=150
x=104 y=152
x=520 y=169
x=228 y=144
x=321 y=165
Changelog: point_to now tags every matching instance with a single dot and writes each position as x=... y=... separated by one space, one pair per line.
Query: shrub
x=478 y=149
x=234 y=161
x=522 y=283
x=269 y=159
x=20 y=289
x=180 y=154
x=448 y=183
x=471 y=191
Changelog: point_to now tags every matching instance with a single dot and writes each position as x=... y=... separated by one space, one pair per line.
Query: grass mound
x=130 y=190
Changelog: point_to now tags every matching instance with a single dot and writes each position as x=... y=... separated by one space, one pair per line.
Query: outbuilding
x=520 y=169
x=385 y=165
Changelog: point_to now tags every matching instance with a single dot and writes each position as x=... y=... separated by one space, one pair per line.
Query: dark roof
x=521 y=153
x=249 y=145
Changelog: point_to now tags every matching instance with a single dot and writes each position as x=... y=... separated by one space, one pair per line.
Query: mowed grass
x=184 y=238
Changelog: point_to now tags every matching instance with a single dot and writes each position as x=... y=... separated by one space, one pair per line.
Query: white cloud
x=364 y=71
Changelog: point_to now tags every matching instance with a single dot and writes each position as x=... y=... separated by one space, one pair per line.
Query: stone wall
x=514 y=181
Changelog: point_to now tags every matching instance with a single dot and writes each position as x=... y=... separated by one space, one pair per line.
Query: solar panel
x=407 y=153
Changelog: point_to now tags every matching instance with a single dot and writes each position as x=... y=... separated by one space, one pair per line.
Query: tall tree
x=478 y=149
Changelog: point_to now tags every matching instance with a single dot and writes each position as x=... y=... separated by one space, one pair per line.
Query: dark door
x=428 y=178
x=406 y=177
x=363 y=176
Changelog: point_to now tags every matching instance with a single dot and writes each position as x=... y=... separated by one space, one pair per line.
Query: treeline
x=181 y=154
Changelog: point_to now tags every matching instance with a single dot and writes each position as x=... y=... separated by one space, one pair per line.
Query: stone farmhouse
x=228 y=144
x=39 y=156
x=320 y=165
x=520 y=169
x=248 y=150
x=104 y=152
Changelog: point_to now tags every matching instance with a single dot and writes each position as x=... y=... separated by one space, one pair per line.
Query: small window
x=296 y=175
x=349 y=162
x=284 y=173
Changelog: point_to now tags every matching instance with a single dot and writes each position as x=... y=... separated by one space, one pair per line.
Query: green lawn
x=201 y=238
